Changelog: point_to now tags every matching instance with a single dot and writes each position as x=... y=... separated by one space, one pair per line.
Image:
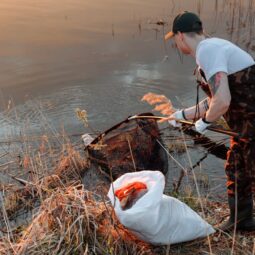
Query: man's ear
x=180 y=35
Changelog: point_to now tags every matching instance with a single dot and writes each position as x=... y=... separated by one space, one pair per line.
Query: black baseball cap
x=185 y=22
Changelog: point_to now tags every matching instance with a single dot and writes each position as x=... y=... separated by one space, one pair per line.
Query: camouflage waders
x=240 y=165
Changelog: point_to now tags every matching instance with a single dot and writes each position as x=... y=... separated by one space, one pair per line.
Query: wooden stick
x=218 y=130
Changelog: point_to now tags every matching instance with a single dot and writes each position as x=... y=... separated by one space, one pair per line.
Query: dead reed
x=71 y=221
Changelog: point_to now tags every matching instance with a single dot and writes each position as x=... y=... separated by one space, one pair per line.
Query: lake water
x=101 y=56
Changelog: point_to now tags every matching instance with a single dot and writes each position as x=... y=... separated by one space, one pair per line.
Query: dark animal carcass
x=132 y=145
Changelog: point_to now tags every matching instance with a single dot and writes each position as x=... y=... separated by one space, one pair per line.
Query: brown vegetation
x=73 y=220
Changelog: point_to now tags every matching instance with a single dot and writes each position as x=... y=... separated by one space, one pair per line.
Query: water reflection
x=81 y=52
x=57 y=55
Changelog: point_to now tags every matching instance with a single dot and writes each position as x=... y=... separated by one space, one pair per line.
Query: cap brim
x=169 y=35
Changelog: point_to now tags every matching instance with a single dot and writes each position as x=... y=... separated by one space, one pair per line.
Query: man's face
x=181 y=44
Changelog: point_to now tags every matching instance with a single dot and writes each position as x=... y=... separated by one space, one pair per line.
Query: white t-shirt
x=218 y=55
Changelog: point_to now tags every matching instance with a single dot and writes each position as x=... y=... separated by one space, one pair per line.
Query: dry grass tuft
x=71 y=166
x=75 y=221
x=69 y=170
x=71 y=221
x=161 y=102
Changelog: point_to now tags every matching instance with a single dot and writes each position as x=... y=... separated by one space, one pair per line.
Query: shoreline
x=82 y=220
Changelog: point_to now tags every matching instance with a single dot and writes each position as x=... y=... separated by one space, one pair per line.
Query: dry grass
x=71 y=221
x=161 y=102
x=69 y=170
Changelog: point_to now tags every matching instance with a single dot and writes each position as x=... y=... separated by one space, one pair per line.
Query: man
x=228 y=78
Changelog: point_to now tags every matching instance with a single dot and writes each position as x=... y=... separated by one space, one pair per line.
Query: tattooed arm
x=221 y=96
x=189 y=113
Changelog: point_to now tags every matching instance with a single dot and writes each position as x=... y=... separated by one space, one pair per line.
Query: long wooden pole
x=218 y=130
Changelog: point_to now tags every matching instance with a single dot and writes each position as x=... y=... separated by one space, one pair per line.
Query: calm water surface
x=102 y=56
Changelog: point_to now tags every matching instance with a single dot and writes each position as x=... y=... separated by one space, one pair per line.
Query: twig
x=131 y=154
x=6 y=153
x=6 y=220
x=22 y=181
x=7 y=163
x=235 y=222
x=198 y=192
x=189 y=170
x=179 y=164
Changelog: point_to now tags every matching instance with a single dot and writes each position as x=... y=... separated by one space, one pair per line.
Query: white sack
x=155 y=217
x=87 y=139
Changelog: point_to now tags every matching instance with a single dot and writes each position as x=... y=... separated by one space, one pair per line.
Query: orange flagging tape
x=129 y=189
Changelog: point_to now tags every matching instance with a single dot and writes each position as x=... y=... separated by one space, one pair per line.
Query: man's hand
x=178 y=115
x=201 y=126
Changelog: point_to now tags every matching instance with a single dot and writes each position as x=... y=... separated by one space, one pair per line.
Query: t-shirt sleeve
x=212 y=59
